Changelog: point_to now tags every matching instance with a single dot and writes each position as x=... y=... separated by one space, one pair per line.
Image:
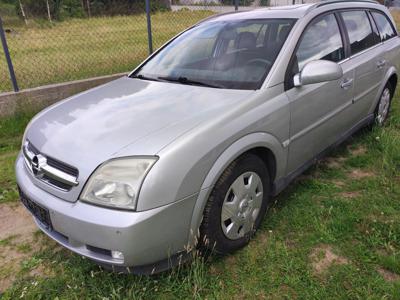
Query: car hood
x=136 y=116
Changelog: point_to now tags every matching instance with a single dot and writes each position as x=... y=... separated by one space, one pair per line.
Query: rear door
x=366 y=58
x=319 y=112
x=389 y=40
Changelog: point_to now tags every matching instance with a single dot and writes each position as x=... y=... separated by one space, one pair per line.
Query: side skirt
x=282 y=183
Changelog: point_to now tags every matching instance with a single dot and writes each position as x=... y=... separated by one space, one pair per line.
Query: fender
x=389 y=73
x=248 y=142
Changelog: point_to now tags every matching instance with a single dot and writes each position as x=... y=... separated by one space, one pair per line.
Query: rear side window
x=321 y=40
x=385 y=28
x=359 y=29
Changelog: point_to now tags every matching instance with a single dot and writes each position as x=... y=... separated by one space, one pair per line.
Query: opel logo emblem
x=38 y=162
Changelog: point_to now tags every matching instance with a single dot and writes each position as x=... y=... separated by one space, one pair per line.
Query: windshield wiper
x=185 y=80
x=142 y=77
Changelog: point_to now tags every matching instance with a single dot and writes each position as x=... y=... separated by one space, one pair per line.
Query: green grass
x=350 y=206
x=44 y=53
x=10 y=139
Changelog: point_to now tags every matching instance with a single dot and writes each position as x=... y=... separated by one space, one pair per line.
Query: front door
x=319 y=112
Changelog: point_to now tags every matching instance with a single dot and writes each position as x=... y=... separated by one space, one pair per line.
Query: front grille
x=57 y=184
x=33 y=149
x=62 y=166
x=50 y=170
x=55 y=163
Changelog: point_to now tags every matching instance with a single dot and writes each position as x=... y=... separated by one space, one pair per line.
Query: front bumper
x=145 y=238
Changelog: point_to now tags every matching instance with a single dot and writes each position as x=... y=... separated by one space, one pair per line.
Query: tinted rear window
x=359 y=29
x=385 y=28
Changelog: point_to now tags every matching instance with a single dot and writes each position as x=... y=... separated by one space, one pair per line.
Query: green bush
x=7 y=2
x=71 y=8
x=6 y=9
x=59 y=9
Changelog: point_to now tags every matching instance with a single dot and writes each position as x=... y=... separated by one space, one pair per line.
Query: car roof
x=291 y=11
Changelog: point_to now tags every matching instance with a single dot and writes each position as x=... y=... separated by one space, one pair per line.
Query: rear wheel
x=236 y=205
x=383 y=109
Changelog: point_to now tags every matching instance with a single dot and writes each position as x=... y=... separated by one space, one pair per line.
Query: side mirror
x=318 y=71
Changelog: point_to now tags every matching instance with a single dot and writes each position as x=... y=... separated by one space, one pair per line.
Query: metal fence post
x=149 y=36
x=236 y=4
x=8 y=58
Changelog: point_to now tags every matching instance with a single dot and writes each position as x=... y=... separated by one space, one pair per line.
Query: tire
x=382 y=110
x=218 y=235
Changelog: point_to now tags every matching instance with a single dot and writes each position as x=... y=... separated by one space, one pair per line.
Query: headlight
x=117 y=182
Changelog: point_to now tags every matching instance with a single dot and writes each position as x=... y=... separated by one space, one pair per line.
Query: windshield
x=221 y=54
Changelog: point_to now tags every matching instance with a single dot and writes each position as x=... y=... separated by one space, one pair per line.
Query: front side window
x=226 y=54
x=385 y=28
x=359 y=29
x=321 y=40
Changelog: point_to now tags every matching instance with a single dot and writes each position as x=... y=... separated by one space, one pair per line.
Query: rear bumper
x=146 y=239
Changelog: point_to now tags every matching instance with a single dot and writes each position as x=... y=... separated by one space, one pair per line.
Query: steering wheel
x=258 y=60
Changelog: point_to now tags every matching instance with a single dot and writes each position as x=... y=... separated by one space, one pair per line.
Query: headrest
x=283 y=33
x=245 y=40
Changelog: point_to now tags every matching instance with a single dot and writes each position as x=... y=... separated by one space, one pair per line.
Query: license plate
x=40 y=213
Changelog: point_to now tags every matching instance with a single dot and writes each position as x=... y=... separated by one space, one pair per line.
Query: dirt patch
x=290 y=243
x=305 y=177
x=388 y=250
x=322 y=257
x=333 y=162
x=360 y=150
x=287 y=291
x=350 y=195
x=17 y=230
x=41 y=270
x=387 y=275
x=230 y=260
x=339 y=183
x=15 y=220
x=359 y=174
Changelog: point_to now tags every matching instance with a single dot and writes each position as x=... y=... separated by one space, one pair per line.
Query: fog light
x=117 y=255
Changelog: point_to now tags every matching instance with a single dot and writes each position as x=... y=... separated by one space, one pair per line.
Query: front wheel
x=236 y=205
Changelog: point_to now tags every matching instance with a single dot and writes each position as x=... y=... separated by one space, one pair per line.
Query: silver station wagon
x=186 y=152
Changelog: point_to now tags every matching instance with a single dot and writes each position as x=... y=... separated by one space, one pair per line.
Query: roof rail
x=327 y=2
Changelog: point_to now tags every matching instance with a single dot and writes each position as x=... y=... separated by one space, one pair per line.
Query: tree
x=59 y=9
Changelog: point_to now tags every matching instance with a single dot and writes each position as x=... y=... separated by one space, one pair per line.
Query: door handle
x=346 y=83
x=381 y=63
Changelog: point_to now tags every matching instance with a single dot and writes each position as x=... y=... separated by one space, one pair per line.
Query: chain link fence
x=52 y=41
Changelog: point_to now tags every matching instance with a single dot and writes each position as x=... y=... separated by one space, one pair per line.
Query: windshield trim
x=134 y=72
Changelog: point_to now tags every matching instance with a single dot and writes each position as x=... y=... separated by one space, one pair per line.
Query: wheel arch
x=393 y=82
x=269 y=159
x=264 y=145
